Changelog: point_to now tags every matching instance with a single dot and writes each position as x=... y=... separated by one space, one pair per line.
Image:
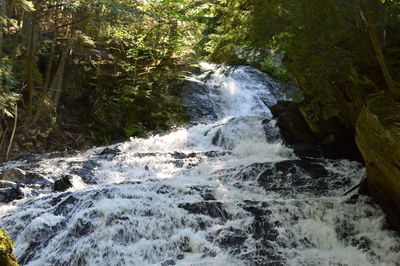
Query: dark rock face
x=209 y=208
x=306 y=175
x=10 y=193
x=378 y=137
x=294 y=128
x=332 y=140
x=12 y=180
x=198 y=103
x=63 y=183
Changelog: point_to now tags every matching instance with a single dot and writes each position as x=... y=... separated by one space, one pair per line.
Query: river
x=223 y=191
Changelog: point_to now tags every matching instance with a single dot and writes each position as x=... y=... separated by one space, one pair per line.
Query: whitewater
x=224 y=190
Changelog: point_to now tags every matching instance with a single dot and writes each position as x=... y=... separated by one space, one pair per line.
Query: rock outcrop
x=378 y=138
x=329 y=139
x=7 y=257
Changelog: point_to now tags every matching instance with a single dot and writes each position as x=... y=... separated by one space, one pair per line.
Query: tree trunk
x=30 y=62
x=56 y=85
x=371 y=24
x=3 y=4
x=46 y=82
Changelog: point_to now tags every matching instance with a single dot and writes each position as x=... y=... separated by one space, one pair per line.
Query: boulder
x=63 y=183
x=7 y=257
x=20 y=176
x=378 y=138
x=13 y=175
x=10 y=193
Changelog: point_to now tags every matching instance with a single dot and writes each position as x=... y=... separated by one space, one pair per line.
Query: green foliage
x=324 y=43
x=8 y=99
x=270 y=65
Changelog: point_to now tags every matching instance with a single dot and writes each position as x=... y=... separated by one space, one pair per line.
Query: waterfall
x=223 y=191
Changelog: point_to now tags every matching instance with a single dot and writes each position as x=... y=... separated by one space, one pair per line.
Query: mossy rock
x=378 y=138
x=7 y=257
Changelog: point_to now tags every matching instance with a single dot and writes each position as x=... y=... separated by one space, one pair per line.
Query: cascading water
x=224 y=191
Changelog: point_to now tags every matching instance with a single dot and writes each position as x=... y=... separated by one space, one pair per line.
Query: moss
x=378 y=138
x=7 y=257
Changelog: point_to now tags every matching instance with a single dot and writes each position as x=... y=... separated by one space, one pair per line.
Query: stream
x=223 y=191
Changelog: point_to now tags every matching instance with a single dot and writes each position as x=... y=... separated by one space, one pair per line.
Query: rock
x=85 y=169
x=13 y=175
x=378 y=138
x=7 y=257
x=271 y=132
x=329 y=139
x=108 y=151
x=10 y=193
x=168 y=262
x=63 y=183
x=305 y=175
x=294 y=128
x=198 y=103
x=209 y=208
x=20 y=176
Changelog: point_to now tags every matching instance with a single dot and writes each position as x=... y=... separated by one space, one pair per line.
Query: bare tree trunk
x=30 y=62
x=371 y=24
x=3 y=4
x=46 y=83
x=56 y=85
x=13 y=132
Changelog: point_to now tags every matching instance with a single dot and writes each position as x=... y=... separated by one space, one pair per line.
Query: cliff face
x=378 y=138
x=7 y=257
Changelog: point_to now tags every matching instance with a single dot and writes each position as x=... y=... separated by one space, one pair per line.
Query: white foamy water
x=209 y=194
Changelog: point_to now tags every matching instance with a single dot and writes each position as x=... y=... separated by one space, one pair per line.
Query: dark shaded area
x=337 y=142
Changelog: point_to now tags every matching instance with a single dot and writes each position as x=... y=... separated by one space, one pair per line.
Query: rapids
x=223 y=191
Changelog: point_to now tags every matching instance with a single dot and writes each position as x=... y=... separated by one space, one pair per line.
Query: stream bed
x=223 y=191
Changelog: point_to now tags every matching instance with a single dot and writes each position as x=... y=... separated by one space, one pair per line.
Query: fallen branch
x=355 y=187
x=13 y=131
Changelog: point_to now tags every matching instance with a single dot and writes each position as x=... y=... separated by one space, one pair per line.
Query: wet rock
x=261 y=227
x=32 y=178
x=110 y=151
x=85 y=170
x=13 y=175
x=9 y=194
x=81 y=228
x=217 y=140
x=168 y=262
x=209 y=208
x=271 y=132
x=305 y=175
x=198 y=103
x=21 y=177
x=63 y=183
x=232 y=240
x=65 y=205
x=7 y=257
